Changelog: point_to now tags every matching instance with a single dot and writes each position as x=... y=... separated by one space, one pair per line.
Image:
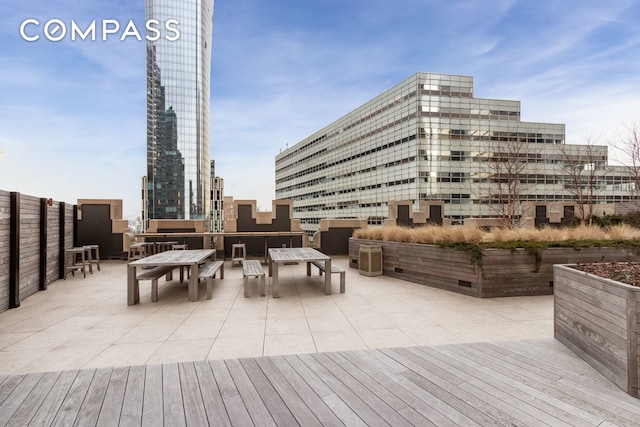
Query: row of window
x=350 y=125
x=323 y=166
x=325 y=193
x=353 y=140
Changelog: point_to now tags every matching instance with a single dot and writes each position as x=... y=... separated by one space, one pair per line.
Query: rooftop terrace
x=386 y=351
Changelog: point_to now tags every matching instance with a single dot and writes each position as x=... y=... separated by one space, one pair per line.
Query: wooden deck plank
x=306 y=393
x=90 y=409
x=537 y=404
x=593 y=388
x=32 y=402
x=8 y=385
x=213 y=404
x=194 y=411
x=535 y=383
x=152 y=397
x=250 y=396
x=112 y=404
x=238 y=413
x=502 y=408
x=379 y=365
x=133 y=397
x=290 y=398
x=446 y=402
x=54 y=398
x=363 y=377
x=375 y=396
x=17 y=396
x=351 y=399
x=272 y=400
x=70 y=407
x=172 y=403
x=577 y=398
x=415 y=418
x=333 y=402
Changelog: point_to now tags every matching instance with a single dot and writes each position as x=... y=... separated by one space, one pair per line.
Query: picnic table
x=189 y=258
x=282 y=255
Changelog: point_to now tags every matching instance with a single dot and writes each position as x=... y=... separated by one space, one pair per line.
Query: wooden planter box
x=504 y=272
x=598 y=319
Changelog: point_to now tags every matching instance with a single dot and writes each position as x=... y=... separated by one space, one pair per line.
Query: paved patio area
x=86 y=323
x=386 y=352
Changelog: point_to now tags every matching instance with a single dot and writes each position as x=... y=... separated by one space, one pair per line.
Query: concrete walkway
x=86 y=323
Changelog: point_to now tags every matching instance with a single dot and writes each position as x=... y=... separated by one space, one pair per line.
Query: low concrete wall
x=599 y=319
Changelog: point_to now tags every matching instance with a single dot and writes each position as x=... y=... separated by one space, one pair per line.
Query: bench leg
x=262 y=285
x=209 y=287
x=342 y=280
x=222 y=271
x=154 y=290
x=308 y=268
x=246 y=288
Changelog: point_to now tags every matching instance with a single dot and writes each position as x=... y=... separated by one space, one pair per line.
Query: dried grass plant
x=439 y=235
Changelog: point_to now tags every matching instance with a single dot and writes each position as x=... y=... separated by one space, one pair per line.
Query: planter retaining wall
x=599 y=319
x=504 y=272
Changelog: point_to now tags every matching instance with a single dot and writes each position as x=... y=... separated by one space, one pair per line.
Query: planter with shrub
x=597 y=316
x=491 y=264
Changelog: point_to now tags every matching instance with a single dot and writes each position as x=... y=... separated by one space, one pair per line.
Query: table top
x=176 y=258
x=296 y=254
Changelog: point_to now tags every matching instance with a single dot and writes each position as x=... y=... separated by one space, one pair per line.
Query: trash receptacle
x=370 y=260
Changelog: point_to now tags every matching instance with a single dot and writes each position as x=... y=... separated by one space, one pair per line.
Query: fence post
x=44 y=233
x=61 y=252
x=14 y=251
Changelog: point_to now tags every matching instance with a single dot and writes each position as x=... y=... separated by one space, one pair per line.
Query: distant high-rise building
x=217 y=201
x=177 y=184
x=429 y=139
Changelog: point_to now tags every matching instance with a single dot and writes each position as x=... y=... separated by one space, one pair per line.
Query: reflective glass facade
x=428 y=138
x=178 y=97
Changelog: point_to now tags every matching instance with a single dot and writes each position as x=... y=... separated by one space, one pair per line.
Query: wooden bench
x=154 y=274
x=208 y=272
x=335 y=270
x=252 y=268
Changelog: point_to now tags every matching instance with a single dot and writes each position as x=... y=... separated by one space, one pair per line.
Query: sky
x=73 y=113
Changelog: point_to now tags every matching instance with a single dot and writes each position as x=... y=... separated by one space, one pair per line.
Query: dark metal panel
x=14 y=251
x=43 y=245
x=61 y=252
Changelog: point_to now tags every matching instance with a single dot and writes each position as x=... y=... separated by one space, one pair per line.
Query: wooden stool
x=137 y=251
x=71 y=262
x=238 y=253
x=252 y=268
x=90 y=250
x=164 y=246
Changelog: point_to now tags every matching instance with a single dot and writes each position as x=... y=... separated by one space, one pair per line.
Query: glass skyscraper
x=178 y=89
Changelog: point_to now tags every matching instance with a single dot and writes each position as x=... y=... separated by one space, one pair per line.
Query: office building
x=177 y=184
x=216 y=217
x=429 y=139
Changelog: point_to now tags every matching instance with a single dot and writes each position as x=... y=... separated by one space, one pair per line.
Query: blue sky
x=72 y=114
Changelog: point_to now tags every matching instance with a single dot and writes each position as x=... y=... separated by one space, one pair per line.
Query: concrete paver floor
x=86 y=323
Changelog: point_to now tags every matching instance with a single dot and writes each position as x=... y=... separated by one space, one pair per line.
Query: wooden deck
x=511 y=383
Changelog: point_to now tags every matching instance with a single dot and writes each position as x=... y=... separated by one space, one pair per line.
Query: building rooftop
x=384 y=351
